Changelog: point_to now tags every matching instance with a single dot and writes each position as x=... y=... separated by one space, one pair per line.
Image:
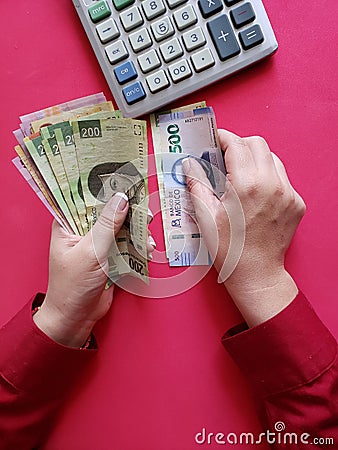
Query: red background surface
x=161 y=374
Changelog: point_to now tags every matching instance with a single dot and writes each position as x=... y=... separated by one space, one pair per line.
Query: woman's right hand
x=272 y=210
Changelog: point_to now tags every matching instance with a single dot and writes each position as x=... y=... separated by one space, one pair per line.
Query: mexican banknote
x=188 y=132
x=112 y=157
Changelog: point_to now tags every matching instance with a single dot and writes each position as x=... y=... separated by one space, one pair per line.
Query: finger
x=286 y=182
x=261 y=154
x=226 y=138
x=150 y=216
x=107 y=297
x=61 y=240
x=57 y=230
x=238 y=158
x=284 y=176
x=108 y=225
x=151 y=245
x=280 y=168
x=198 y=184
x=204 y=201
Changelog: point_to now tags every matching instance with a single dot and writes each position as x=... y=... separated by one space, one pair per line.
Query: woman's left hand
x=76 y=297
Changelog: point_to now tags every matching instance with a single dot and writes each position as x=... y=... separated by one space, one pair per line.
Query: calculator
x=155 y=51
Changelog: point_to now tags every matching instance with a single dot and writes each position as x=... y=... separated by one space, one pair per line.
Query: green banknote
x=112 y=157
x=53 y=154
x=65 y=140
x=37 y=151
x=68 y=169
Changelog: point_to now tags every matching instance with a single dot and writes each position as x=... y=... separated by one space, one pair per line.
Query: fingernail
x=186 y=164
x=119 y=201
x=151 y=241
x=150 y=257
x=150 y=215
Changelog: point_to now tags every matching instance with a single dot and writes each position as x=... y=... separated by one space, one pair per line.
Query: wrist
x=61 y=329
x=261 y=296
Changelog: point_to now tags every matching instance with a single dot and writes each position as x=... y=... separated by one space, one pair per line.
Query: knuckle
x=110 y=222
x=280 y=191
x=258 y=141
x=301 y=206
x=296 y=203
x=253 y=187
x=192 y=183
x=106 y=222
x=240 y=142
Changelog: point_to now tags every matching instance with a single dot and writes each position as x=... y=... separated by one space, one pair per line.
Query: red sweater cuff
x=32 y=362
x=288 y=350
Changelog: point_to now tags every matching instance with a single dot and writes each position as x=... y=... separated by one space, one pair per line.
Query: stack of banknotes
x=76 y=156
x=190 y=131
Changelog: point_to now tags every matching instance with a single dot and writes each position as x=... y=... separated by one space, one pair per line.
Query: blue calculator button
x=134 y=93
x=125 y=72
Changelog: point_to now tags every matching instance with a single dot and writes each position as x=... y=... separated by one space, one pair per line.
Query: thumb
x=108 y=224
x=202 y=195
x=205 y=203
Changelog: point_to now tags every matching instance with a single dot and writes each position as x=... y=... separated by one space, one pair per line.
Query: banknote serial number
x=174 y=138
x=90 y=129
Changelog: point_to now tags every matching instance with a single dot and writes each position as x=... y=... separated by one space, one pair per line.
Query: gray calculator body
x=155 y=51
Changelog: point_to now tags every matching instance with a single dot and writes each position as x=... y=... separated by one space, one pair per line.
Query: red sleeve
x=35 y=375
x=291 y=362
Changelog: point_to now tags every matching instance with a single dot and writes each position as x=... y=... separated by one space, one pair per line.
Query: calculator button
x=210 y=7
x=171 y=50
x=193 y=39
x=140 y=40
x=223 y=37
x=185 y=17
x=202 y=60
x=99 y=11
x=131 y=18
x=157 y=81
x=116 y=52
x=121 y=4
x=149 y=61
x=251 y=37
x=162 y=29
x=134 y=93
x=231 y=2
x=173 y=3
x=153 y=8
x=180 y=70
x=107 y=31
x=125 y=72
x=242 y=15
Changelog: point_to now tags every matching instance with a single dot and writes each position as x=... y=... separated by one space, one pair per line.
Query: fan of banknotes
x=76 y=156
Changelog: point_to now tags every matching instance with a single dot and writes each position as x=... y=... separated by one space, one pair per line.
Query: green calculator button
x=120 y=4
x=99 y=11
